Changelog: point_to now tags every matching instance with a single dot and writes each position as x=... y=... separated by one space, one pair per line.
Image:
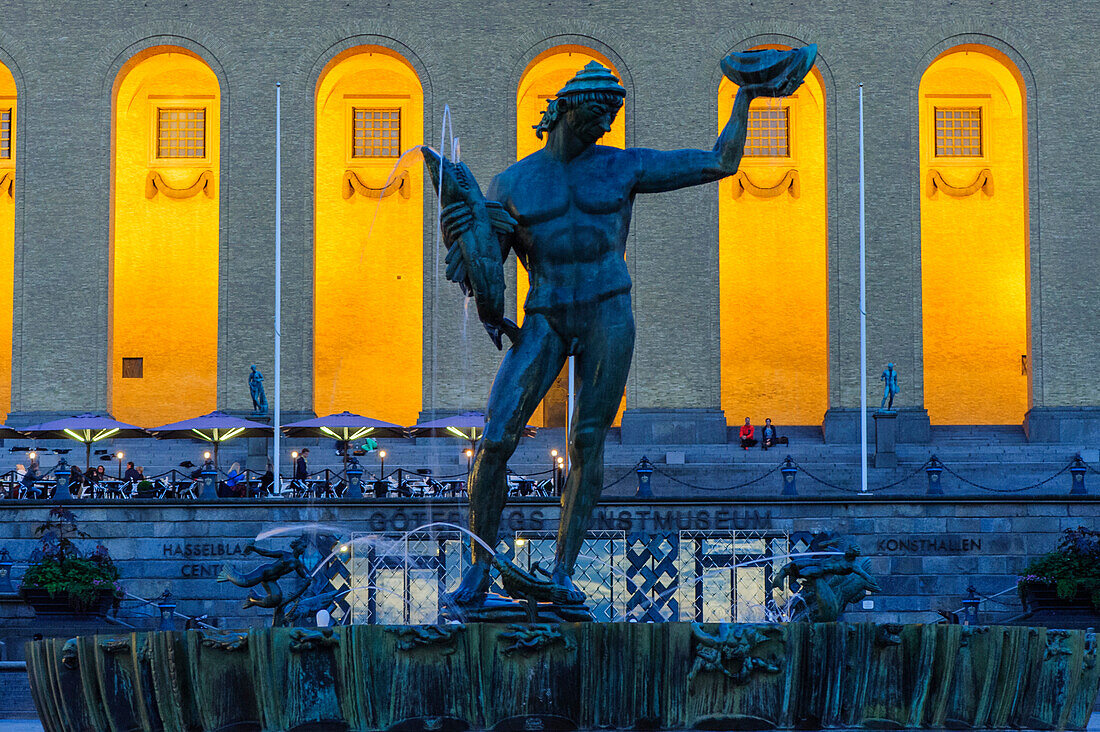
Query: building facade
x=137 y=207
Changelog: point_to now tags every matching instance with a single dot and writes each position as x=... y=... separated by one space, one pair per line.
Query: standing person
x=746 y=434
x=301 y=468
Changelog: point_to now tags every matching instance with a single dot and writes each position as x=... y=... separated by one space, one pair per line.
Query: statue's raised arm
x=767 y=73
x=473 y=228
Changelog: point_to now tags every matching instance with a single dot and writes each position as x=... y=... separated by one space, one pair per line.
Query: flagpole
x=862 y=311
x=277 y=486
x=569 y=400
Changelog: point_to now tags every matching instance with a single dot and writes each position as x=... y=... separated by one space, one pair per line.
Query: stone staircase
x=997 y=458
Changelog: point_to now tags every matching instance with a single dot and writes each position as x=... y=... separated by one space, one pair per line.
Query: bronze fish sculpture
x=475 y=251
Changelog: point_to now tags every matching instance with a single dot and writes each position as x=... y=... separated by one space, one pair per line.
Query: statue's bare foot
x=474 y=585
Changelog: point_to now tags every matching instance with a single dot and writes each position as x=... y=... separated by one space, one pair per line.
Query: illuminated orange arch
x=772 y=250
x=8 y=123
x=368 y=242
x=974 y=239
x=164 y=238
x=542 y=78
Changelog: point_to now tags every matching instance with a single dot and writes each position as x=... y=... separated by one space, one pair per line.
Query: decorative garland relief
x=983 y=182
x=789 y=183
x=353 y=184
x=154 y=183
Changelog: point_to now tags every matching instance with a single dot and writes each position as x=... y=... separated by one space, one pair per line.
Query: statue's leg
x=601 y=368
x=526 y=374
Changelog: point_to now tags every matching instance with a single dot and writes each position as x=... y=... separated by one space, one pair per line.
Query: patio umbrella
x=86 y=428
x=468 y=426
x=344 y=427
x=7 y=433
x=215 y=428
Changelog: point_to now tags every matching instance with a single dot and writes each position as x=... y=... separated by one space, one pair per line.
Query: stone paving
x=26 y=725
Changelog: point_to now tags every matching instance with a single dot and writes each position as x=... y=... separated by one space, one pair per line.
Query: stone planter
x=1043 y=598
x=61 y=603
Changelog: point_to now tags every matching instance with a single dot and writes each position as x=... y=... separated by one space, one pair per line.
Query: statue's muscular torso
x=573 y=218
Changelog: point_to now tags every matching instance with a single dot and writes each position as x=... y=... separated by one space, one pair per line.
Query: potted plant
x=64 y=580
x=1066 y=580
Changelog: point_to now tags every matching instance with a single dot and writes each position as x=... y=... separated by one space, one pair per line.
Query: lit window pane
x=181 y=133
x=768 y=134
x=5 y=133
x=376 y=133
x=958 y=132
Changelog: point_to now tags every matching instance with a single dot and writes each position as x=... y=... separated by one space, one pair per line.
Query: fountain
x=525 y=657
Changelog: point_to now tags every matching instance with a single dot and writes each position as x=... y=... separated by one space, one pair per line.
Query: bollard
x=645 y=473
x=970 y=606
x=354 y=491
x=167 y=610
x=934 y=469
x=1077 y=470
x=61 y=475
x=790 y=472
x=5 y=573
x=209 y=482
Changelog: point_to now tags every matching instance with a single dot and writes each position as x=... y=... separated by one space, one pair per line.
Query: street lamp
x=382 y=468
x=119 y=456
x=469 y=457
x=561 y=473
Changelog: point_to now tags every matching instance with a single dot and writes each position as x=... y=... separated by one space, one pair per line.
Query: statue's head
x=588 y=103
x=298 y=546
x=890 y=367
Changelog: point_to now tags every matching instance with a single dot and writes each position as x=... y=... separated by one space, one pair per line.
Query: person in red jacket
x=746 y=434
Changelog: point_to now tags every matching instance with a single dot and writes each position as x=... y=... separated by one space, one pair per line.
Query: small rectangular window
x=376 y=133
x=181 y=133
x=769 y=133
x=5 y=133
x=132 y=368
x=958 y=132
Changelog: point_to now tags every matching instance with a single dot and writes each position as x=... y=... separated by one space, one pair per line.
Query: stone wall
x=470 y=56
x=925 y=552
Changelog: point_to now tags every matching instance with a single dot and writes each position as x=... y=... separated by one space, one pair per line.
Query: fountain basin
x=582 y=676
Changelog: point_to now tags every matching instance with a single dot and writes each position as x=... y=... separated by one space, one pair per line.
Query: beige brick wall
x=470 y=56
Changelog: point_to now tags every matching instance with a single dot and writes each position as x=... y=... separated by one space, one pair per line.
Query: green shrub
x=60 y=567
x=1074 y=568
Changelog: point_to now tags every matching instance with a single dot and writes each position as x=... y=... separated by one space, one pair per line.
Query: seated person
x=769 y=436
x=267 y=481
x=745 y=433
x=29 y=480
x=234 y=482
x=131 y=475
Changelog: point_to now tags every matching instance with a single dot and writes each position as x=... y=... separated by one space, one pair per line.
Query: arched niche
x=772 y=252
x=974 y=237
x=368 y=237
x=164 y=237
x=8 y=130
